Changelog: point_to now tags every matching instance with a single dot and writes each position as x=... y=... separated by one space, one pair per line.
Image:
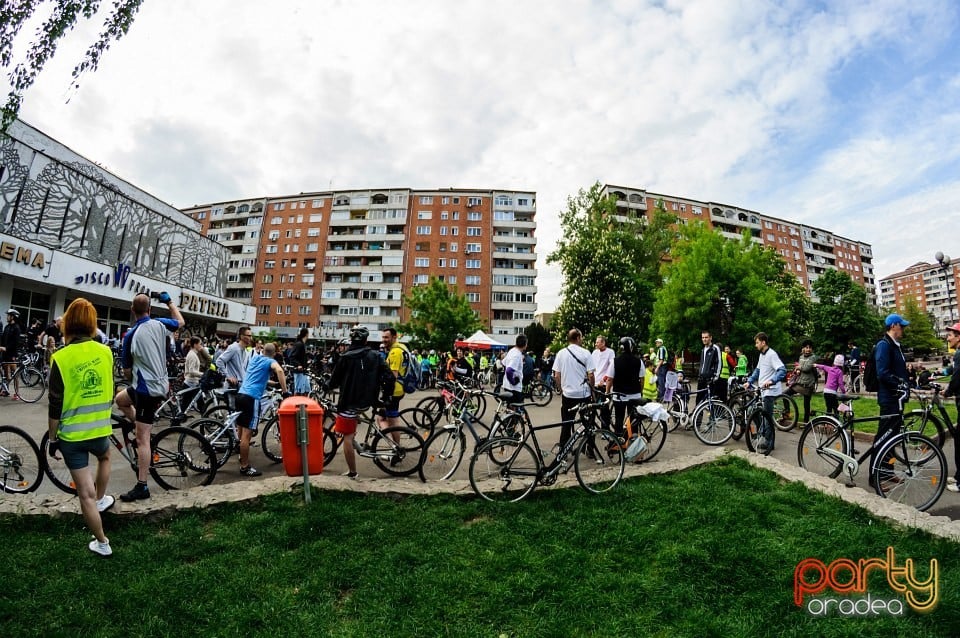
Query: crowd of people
x=81 y=387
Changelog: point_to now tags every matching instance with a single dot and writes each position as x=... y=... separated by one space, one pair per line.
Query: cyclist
x=767 y=376
x=709 y=366
x=9 y=346
x=81 y=393
x=626 y=379
x=953 y=389
x=248 y=400
x=358 y=374
x=893 y=388
x=144 y=359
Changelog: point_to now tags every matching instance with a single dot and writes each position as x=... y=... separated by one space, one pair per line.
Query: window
x=441 y=263
x=473 y=297
x=274 y=235
x=473 y=263
x=272 y=248
x=419 y=280
x=264 y=310
x=270 y=263
x=312 y=247
x=443 y=230
x=523 y=201
x=445 y=199
x=306 y=293
x=472 y=280
x=454 y=247
x=266 y=294
x=451 y=279
x=202 y=215
x=454 y=230
x=456 y=200
x=313 y=232
x=424 y=230
x=473 y=231
x=456 y=215
x=422 y=262
x=275 y=221
x=317 y=203
x=473 y=248
x=474 y=216
x=426 y=199
x=424 y=214
x=278 y=206
x=453 y=263
x=304 y=310
x=501 y=200
x=268 y=279
x=444 y=215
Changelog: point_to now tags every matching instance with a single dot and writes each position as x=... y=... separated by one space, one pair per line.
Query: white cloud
x=837 y=115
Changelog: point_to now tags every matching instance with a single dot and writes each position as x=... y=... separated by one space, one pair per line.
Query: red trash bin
x=289 y=444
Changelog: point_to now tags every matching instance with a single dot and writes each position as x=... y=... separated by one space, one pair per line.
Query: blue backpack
x=410 y=380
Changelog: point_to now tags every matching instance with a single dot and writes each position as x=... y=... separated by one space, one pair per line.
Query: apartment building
x=807 y=250
x=932 y=286
x=330 y=260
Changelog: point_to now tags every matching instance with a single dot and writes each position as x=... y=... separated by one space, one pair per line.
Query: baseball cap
x=659 y=340
x=895 y=319
x=954 y=328
x=14 y=312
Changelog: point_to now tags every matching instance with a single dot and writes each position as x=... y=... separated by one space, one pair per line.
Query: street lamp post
x=946 y=266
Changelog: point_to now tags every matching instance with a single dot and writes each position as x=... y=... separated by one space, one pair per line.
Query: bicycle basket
x=635 y=450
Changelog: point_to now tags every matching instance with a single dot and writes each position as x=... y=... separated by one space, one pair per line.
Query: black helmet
x=627 y=344
x=359 y=334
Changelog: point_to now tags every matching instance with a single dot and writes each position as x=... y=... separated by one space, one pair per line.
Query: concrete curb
x=165 y=504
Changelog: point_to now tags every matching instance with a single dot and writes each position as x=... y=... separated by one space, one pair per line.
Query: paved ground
x=678 y=444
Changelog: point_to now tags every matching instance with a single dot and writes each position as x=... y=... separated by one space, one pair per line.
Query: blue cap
x=895 y=318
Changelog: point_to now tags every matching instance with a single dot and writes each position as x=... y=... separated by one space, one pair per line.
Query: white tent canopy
x=481 y=341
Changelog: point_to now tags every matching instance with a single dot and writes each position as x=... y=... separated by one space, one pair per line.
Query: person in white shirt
x=192 y=368
x=573 y=374
x=513 y=369
x=602 y=363
x=767 y=376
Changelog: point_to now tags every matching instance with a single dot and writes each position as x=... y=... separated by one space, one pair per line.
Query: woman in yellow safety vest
x=81 y=393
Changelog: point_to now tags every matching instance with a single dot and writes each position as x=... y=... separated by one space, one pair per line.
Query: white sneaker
x=105 y=503
x=103 y=549
x=951 y=480
x=953 y=487
x=350 y=475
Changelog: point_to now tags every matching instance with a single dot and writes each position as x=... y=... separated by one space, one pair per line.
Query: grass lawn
x=710 y=551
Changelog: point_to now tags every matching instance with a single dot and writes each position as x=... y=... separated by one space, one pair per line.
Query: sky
x=841 y=115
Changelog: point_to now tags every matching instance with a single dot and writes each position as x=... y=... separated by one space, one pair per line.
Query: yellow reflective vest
x=87 y=372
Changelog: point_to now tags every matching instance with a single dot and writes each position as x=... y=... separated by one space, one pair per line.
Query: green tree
x=63 y=16
x=734 y=289
x=610 y=265
x=438 y=314
x=920 y=334
x=538 y=338
x=842 y=313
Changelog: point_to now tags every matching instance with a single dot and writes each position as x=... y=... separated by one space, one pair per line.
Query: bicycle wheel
x=20 y=465
x=504 y=469
x=270 y=440
x=442 y=454
x=927 y=424
x=654 y=432
x=182 y=459
x=331 y=439
x=914 y=471
x=713 y=422
x=856 y=385
x=599 y=461
x=400 y=456
x=820 y=438
x=434 y=407
x=540 y=394
x=222 y=441
x=217 y=412
x=419 y=420
x=477 y=404
x=679 y=414
x=29 y=384
x=753 y=429
x=55 y=469
x=738 y=404
x=510 y=426
x=785 y=414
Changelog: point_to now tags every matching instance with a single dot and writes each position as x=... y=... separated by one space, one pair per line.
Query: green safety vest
x=87 y=372
x=742 y=365
x=724 y=366
x=649 y=385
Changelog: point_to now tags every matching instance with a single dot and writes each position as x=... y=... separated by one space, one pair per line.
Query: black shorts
x=146 y=406
x=249 y=409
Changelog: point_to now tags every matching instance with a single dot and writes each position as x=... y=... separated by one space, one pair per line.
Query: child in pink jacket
x=833 y=384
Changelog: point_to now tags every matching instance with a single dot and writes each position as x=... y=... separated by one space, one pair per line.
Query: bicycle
x=180 y=458
x=27 y=384
x=913 y=470
x=539 y=392
x=924 y=420
x=444 y=450
x=450 y=391
x=20 y=464
x=712 y=420
x=398 y=456
x=508 y=468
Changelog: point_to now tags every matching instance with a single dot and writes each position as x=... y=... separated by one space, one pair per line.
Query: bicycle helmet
x=359 y=334
x=627 y=344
